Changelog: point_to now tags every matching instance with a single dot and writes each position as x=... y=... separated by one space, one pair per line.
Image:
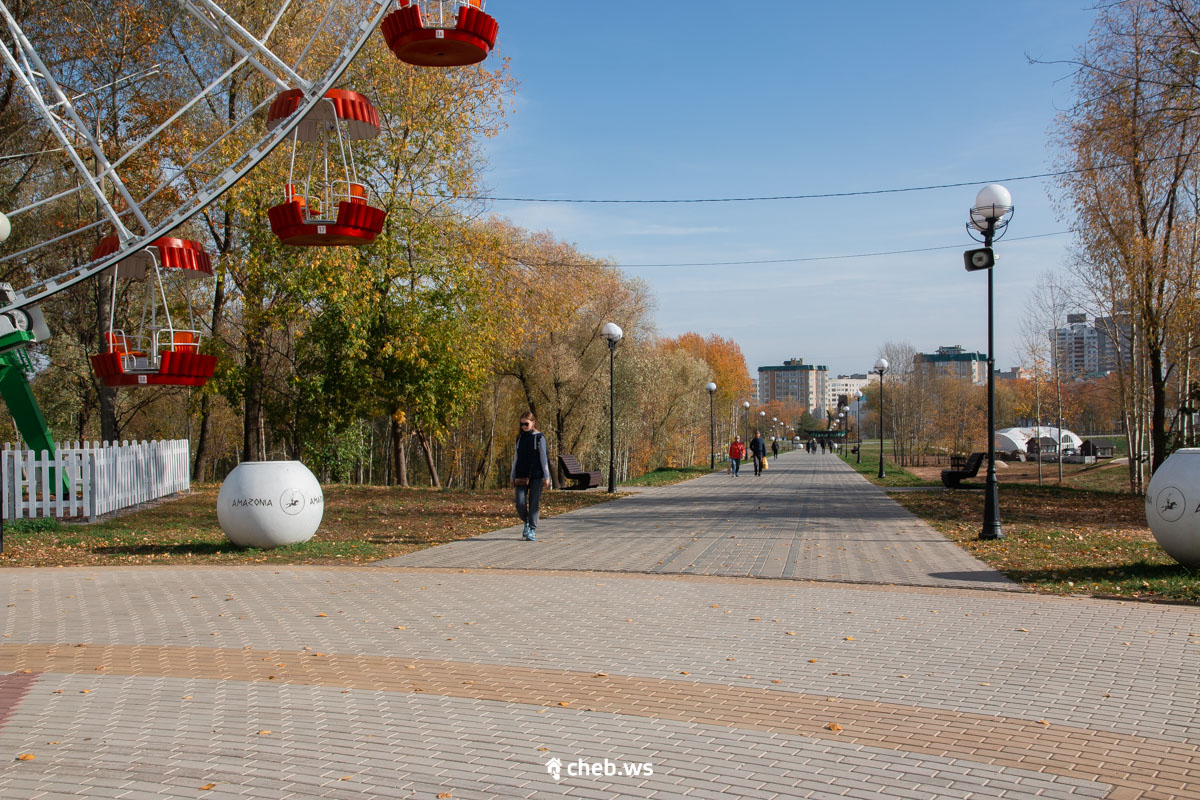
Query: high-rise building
x=846 y=385
x=1081 y=348
x=794 y=381
x=953 y=362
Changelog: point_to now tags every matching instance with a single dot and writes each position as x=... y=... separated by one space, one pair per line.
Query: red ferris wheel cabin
x=153 y=349
x=321 y=208
x=440 y=33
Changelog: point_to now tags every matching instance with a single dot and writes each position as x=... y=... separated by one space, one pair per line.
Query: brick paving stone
x=973 y=639
x=591 y=737
x=422 y=677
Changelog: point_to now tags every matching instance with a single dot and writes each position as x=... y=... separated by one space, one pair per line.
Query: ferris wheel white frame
x=64 y=122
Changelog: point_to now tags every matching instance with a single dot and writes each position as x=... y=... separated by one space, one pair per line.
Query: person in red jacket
x=737 y=451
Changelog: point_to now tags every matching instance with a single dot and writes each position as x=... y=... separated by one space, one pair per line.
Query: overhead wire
x=766 y=261
x=813 y=196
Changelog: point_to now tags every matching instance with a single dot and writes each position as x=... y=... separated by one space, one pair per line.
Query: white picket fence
x=90 y=478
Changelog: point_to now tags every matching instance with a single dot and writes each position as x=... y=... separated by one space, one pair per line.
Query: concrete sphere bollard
x=1173 y=506
x=270 y=503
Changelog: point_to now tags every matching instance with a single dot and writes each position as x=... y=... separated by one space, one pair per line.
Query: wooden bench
x=970 y=468
x=569 y=465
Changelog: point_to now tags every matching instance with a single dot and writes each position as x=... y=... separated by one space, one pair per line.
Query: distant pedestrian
x=530 y=474
x=775 y=448
x=758 y=451
x=822 y=447
x=737 y=451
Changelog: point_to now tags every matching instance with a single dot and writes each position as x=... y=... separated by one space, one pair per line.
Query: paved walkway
x=471 y=670
x=808 y=516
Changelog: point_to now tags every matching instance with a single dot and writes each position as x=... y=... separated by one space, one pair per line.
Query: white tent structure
x=1011 y=440
x=1014 y=440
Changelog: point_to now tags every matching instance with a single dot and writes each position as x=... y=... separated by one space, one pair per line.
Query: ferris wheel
x=194 y=153
x=102 y=191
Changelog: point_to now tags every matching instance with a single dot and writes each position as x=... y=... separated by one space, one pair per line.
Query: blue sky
x=703 y=99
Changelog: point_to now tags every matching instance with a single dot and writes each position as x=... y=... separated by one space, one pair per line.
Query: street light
x=746 y=406
x=989 y=218
x=858 y=395
x=613 y=333
x=881 y=366
x=712 y=429
x=846 y=416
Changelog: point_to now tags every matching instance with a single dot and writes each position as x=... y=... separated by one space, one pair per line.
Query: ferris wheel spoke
x=221 y=22
x=33 y=66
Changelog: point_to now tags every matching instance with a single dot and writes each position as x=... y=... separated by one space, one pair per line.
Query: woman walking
x=529 y=475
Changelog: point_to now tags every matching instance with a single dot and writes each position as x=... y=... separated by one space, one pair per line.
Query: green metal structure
x=18 y=394
x=19 y=329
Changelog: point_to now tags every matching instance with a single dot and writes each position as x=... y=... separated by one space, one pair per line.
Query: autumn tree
x=560 y=298
x=1128 y=150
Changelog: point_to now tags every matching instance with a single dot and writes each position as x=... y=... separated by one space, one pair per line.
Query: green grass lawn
x=1063 y=540
x=360 y=524
x=668 y=475
x=893 y=474
x=1101 y=477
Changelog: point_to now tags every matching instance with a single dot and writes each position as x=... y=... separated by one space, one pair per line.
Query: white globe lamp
x=270 y=504
x=612 y=331
x=994 y=203
x=1173 y=506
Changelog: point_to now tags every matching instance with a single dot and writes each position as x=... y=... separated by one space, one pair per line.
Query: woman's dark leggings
x=528 y=499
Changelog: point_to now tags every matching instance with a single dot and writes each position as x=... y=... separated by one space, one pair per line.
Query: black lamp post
x=5 y=230
x=881 y=366
x=712 y=427
x=613 y=333
x=989 y=218
x=858 y=419
x=746 y=407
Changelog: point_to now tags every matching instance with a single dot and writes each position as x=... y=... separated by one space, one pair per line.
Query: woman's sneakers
x=529 y=534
